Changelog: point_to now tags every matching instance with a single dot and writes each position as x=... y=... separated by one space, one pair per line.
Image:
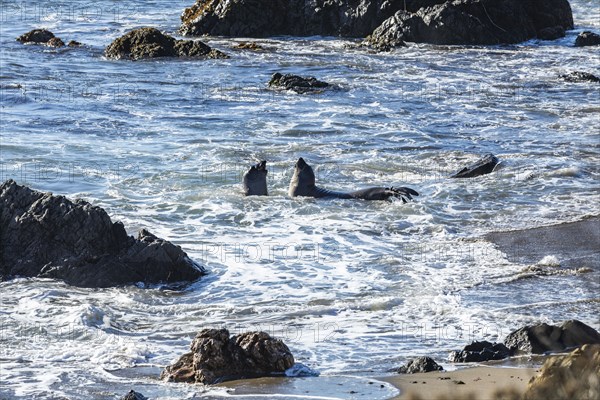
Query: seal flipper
x=403 y=193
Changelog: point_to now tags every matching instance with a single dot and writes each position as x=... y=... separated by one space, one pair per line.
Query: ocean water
x=354 y=288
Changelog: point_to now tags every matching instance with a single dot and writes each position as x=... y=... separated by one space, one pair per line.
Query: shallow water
x=353 y=287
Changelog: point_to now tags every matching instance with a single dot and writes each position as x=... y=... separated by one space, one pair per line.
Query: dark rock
x=419 y=364
x=431 y=21
x=133 y=395
x=479 y=352
x=250 y=46
x=215 y=357
x=151 y=43
x=55 y=42
x=40 y=36
x=573 y=376
x=587 y=38
x=551 y=33
x=475 y=22
x=74 y=43
x=297 y=83
x=53 y=237
x=262 y=18
x=579 y=76
x=542 y=338
x=482 y=166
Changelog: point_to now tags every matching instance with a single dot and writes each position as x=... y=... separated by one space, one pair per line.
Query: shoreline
x=478 y=382
x=474 y=382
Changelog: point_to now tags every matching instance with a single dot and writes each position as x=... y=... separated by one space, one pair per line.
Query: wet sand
x=324 y=387
x=575 y=244
x=480 y=383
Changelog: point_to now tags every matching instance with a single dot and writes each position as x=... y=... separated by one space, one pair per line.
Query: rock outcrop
x=573 y=376
x=215 y=357
x=151 y=43
x=475 y=22
x=579 y=76
x=484 y=165
x=263 y=18
x=297 y=83
x=587 y=38
x=51 y=236
x=419 y=364
x=41 y=36
x=542 y=338
x=480 y=352
x=390 y=22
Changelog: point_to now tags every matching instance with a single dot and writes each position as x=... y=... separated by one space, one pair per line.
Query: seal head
x=303 y=180
x=255 y=180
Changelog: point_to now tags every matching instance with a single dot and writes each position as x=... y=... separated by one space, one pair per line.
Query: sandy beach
x=481 y=383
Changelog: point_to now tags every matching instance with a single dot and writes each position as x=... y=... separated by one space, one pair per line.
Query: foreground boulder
x=215 y=357
x=587 y=38
x=41 y=36
x=542 y=338
x=482 y=166
x=51 y=236
x=573 y=376
x=151 y=43
x=297 y=83
x=475 y=22
x=420 y=364
x=579 y=76
x=480 y=352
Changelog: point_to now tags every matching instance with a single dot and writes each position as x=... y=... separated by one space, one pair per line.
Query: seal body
x=303 y=184
x=255 y=180
x=483 y=166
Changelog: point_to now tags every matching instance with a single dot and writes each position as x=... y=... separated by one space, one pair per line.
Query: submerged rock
x=573 y=376
x=44 y=37
x=74 y=43
x=579 y=76
x=51 y=236
x=482 y=166
x=215 y=357
x=542 y=338
x=38 y=36
x=151 y=43
x=587 y=38
x=250 y=46
x=133 y=395
x=55 y=42
x=420 y=364
x=475 y=22
x=297 y=83
x=479 y=352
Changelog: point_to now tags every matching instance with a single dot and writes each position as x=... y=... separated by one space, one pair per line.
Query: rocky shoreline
x=85 y=248
x=385 y=23
x=49 y=236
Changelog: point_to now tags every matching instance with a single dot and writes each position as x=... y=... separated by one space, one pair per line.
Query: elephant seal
x=303 y=184
x=255 y=180
x=483 y=166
